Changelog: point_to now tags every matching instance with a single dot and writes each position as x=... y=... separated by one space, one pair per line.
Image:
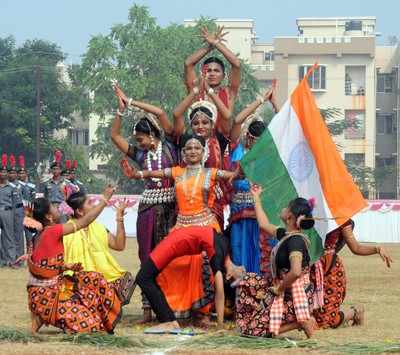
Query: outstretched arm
x=262 y=218
x=190 y=65
x=118 y=241
x=179 y=112
x=364 y=250
x=216 y=40
x=133 y=173
x=73 y=226
x=120 y=142
x=242 y=116
x=157 y=111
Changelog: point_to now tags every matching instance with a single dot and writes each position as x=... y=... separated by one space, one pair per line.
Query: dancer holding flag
x=295 y=157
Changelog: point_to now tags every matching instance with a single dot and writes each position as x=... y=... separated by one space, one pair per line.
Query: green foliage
x=148 y=61
x=18 y=96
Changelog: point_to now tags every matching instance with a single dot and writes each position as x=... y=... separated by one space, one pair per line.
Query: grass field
x=369 y=283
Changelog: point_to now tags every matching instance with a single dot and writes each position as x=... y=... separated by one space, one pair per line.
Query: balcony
x=263 y=67
x=354 y=83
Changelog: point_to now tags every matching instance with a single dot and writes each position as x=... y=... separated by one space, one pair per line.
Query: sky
x=71 y=23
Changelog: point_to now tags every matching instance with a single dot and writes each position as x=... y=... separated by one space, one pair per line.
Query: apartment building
x=355 y=76
x=387 y=119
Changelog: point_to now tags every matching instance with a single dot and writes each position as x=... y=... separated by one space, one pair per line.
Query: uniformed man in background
x=8 y=194
x=74 y=180
x=19 y=211
x=28 y=196
x=53 y=188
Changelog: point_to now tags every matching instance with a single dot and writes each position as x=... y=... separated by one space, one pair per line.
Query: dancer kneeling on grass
x=332 y=315
x=266 y=308
x=81 y=303
x=91 y=246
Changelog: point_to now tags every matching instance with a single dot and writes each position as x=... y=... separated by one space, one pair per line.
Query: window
x=79 y=136
x=355 y=124
x=386 y=195
x=385 y=162
x=355 y=159
x=269 y=56
x=317 y=80
x=385 y=123
x=353 y=25
x=384 y=83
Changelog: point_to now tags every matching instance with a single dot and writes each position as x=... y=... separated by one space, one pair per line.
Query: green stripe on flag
x=263 y=166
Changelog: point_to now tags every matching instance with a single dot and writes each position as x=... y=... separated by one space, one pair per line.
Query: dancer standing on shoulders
x=154 y=150
x=214 y=71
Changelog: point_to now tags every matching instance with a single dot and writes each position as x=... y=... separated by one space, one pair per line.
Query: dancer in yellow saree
x=91 y=247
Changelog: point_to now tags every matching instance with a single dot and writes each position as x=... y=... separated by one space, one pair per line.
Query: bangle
x=261 y=100
x=210 y=91
x=130 y=101
x=140 y=172
x=119 y=113
x=195 y=90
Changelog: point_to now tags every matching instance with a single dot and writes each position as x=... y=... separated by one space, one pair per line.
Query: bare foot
x=166 y=326
x=147 y=316
x=309 y=327
x=36 y=323
x=201 y=320
x=359 y=315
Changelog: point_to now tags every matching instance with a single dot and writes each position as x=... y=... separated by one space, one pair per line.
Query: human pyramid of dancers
x=254 y=272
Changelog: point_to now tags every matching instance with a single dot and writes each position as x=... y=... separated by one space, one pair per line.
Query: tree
x=147 y=60
x=18 y=96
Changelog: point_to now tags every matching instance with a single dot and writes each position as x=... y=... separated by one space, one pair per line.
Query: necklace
x=189 y=173
x=157 y=156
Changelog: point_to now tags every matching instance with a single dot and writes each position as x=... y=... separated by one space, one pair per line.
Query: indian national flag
x=296 y=157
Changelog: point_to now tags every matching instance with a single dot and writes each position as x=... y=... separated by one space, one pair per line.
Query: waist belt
x=20 y=205
x=3 y=208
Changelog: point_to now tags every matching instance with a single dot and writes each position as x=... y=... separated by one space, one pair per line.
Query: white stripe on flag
x=299 y=161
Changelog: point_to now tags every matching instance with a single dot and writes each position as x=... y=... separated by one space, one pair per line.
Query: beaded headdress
x=206 y=104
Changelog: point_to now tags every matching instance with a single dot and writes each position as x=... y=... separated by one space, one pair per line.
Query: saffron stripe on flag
x=342 y=195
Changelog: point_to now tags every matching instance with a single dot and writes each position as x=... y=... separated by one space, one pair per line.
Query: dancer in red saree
x=82 y=303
